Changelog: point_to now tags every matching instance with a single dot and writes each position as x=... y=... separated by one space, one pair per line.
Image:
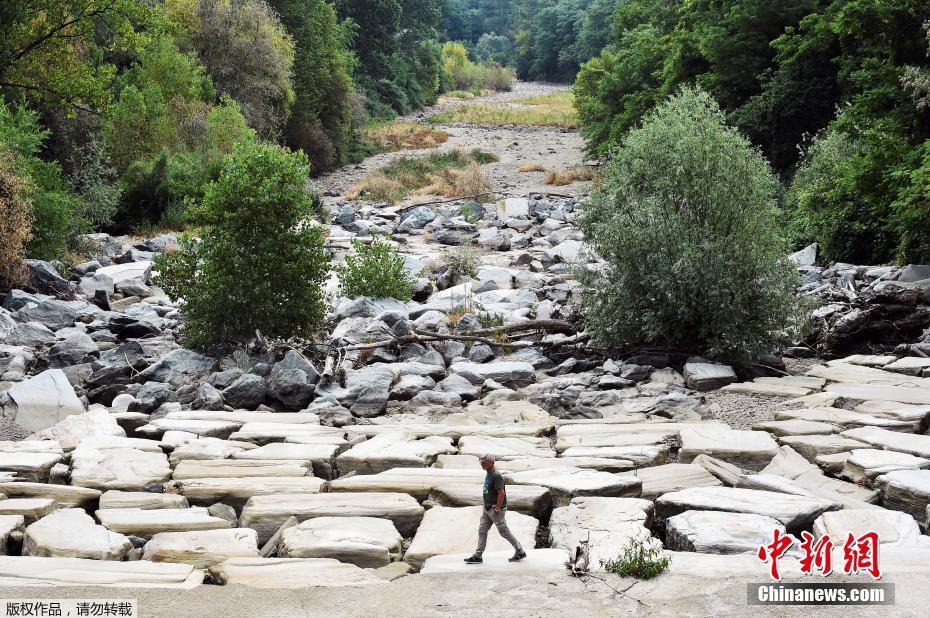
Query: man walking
x=495 y=509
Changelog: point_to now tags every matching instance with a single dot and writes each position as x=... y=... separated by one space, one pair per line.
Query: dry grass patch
x=450 y=174
x=403 y=135
x=561 y=178
x=551 y=110
x=533 y=166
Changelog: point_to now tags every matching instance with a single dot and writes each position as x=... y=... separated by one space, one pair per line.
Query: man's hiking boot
x=476 y=559
x=517 y=557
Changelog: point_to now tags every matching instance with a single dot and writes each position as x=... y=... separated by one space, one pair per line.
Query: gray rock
x=293 y=360
x=208 y=398
x=150 y=397
x=52 y=313
x=44 y=278
x=408 y=386
x=449 y=401
x=714 y=532
x=74 y=349
x=505 y=372
x=481 y=353
x=494 y=239
x=134 y=287
x=177 y=368
x=914 y=272
x=290 y=387
x=369 y=389
x=247 y=392
x=89 y=285
x=32 y=334
x=345 y=216
x=448 y=236
x=222 y=379
x=457 y=385
x=223 y=511
x=806 y=256
x=416 y=219
x=704 y=376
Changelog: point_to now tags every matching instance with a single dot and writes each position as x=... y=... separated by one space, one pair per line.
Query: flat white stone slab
x=201 y=548
x=453 y=431
x=368 y=542
x=203 y=429
x=506 y=448
x=795 y=512
x=121 y=468
x=639 y=456
x=393 y=450
x=916 y=445
x=31 y=509
x=206 y=448
x=604 y=464
x=871 y=392
x=120 y=273
x=810 y=447
x=715 y=532
x=65 y=496
x=243 y=417
x=29 y=466
x=320 y=456
x=266 y=513
x=767 y=389
x=866 y=464
x=454 y=530
x=292 y=573
x=537 y=560
x=146 y=523
x=238 y=468
x=32 y=571
x=903 y=490
x=264 y=432
x=417 y=482
x=843 y=418
x=746 y=449
x=893 y=527
x=114 y=499
x=910 y=365
x=658 y=480
x=72 y=533
x=236 y=491
x=795 y=427
x=568 y=483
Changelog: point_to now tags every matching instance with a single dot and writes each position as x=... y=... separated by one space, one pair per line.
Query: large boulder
x=715 y=532
x=246 y=392
x=97 y=423
x=42 y=401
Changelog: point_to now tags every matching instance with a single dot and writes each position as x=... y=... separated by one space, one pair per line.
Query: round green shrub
x=686 y=222
x=261 y=261
x=376 y=271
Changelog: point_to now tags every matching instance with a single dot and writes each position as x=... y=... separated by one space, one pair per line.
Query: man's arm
x=500 y=499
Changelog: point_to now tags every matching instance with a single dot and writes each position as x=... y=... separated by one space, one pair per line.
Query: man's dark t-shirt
x=492 y=482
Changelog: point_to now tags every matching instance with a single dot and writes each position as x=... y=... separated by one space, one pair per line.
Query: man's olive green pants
x=488 y=517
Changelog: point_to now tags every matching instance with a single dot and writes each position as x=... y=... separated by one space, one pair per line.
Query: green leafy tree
x=261 y=262
x=320 y=119
x=61 y=52
x=247 y=52
x=53 y=218
x=686 y=223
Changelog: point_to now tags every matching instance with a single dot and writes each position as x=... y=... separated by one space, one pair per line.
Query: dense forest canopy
x=119 y=113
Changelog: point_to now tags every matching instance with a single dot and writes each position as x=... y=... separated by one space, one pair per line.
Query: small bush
x=15 y=220
x=642 y=559
x=567 y=177
x=400 y=135
x=533 y=166
x=463 y=261
x=376 y=271
x=261 y=262
x=687 y=224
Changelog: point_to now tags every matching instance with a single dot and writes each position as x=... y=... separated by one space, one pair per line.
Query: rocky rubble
x=131 y=460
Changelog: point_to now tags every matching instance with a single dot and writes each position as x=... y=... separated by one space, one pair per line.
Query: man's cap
x=487 y=457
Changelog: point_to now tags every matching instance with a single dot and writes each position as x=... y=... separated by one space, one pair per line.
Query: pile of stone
x=865 y=309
